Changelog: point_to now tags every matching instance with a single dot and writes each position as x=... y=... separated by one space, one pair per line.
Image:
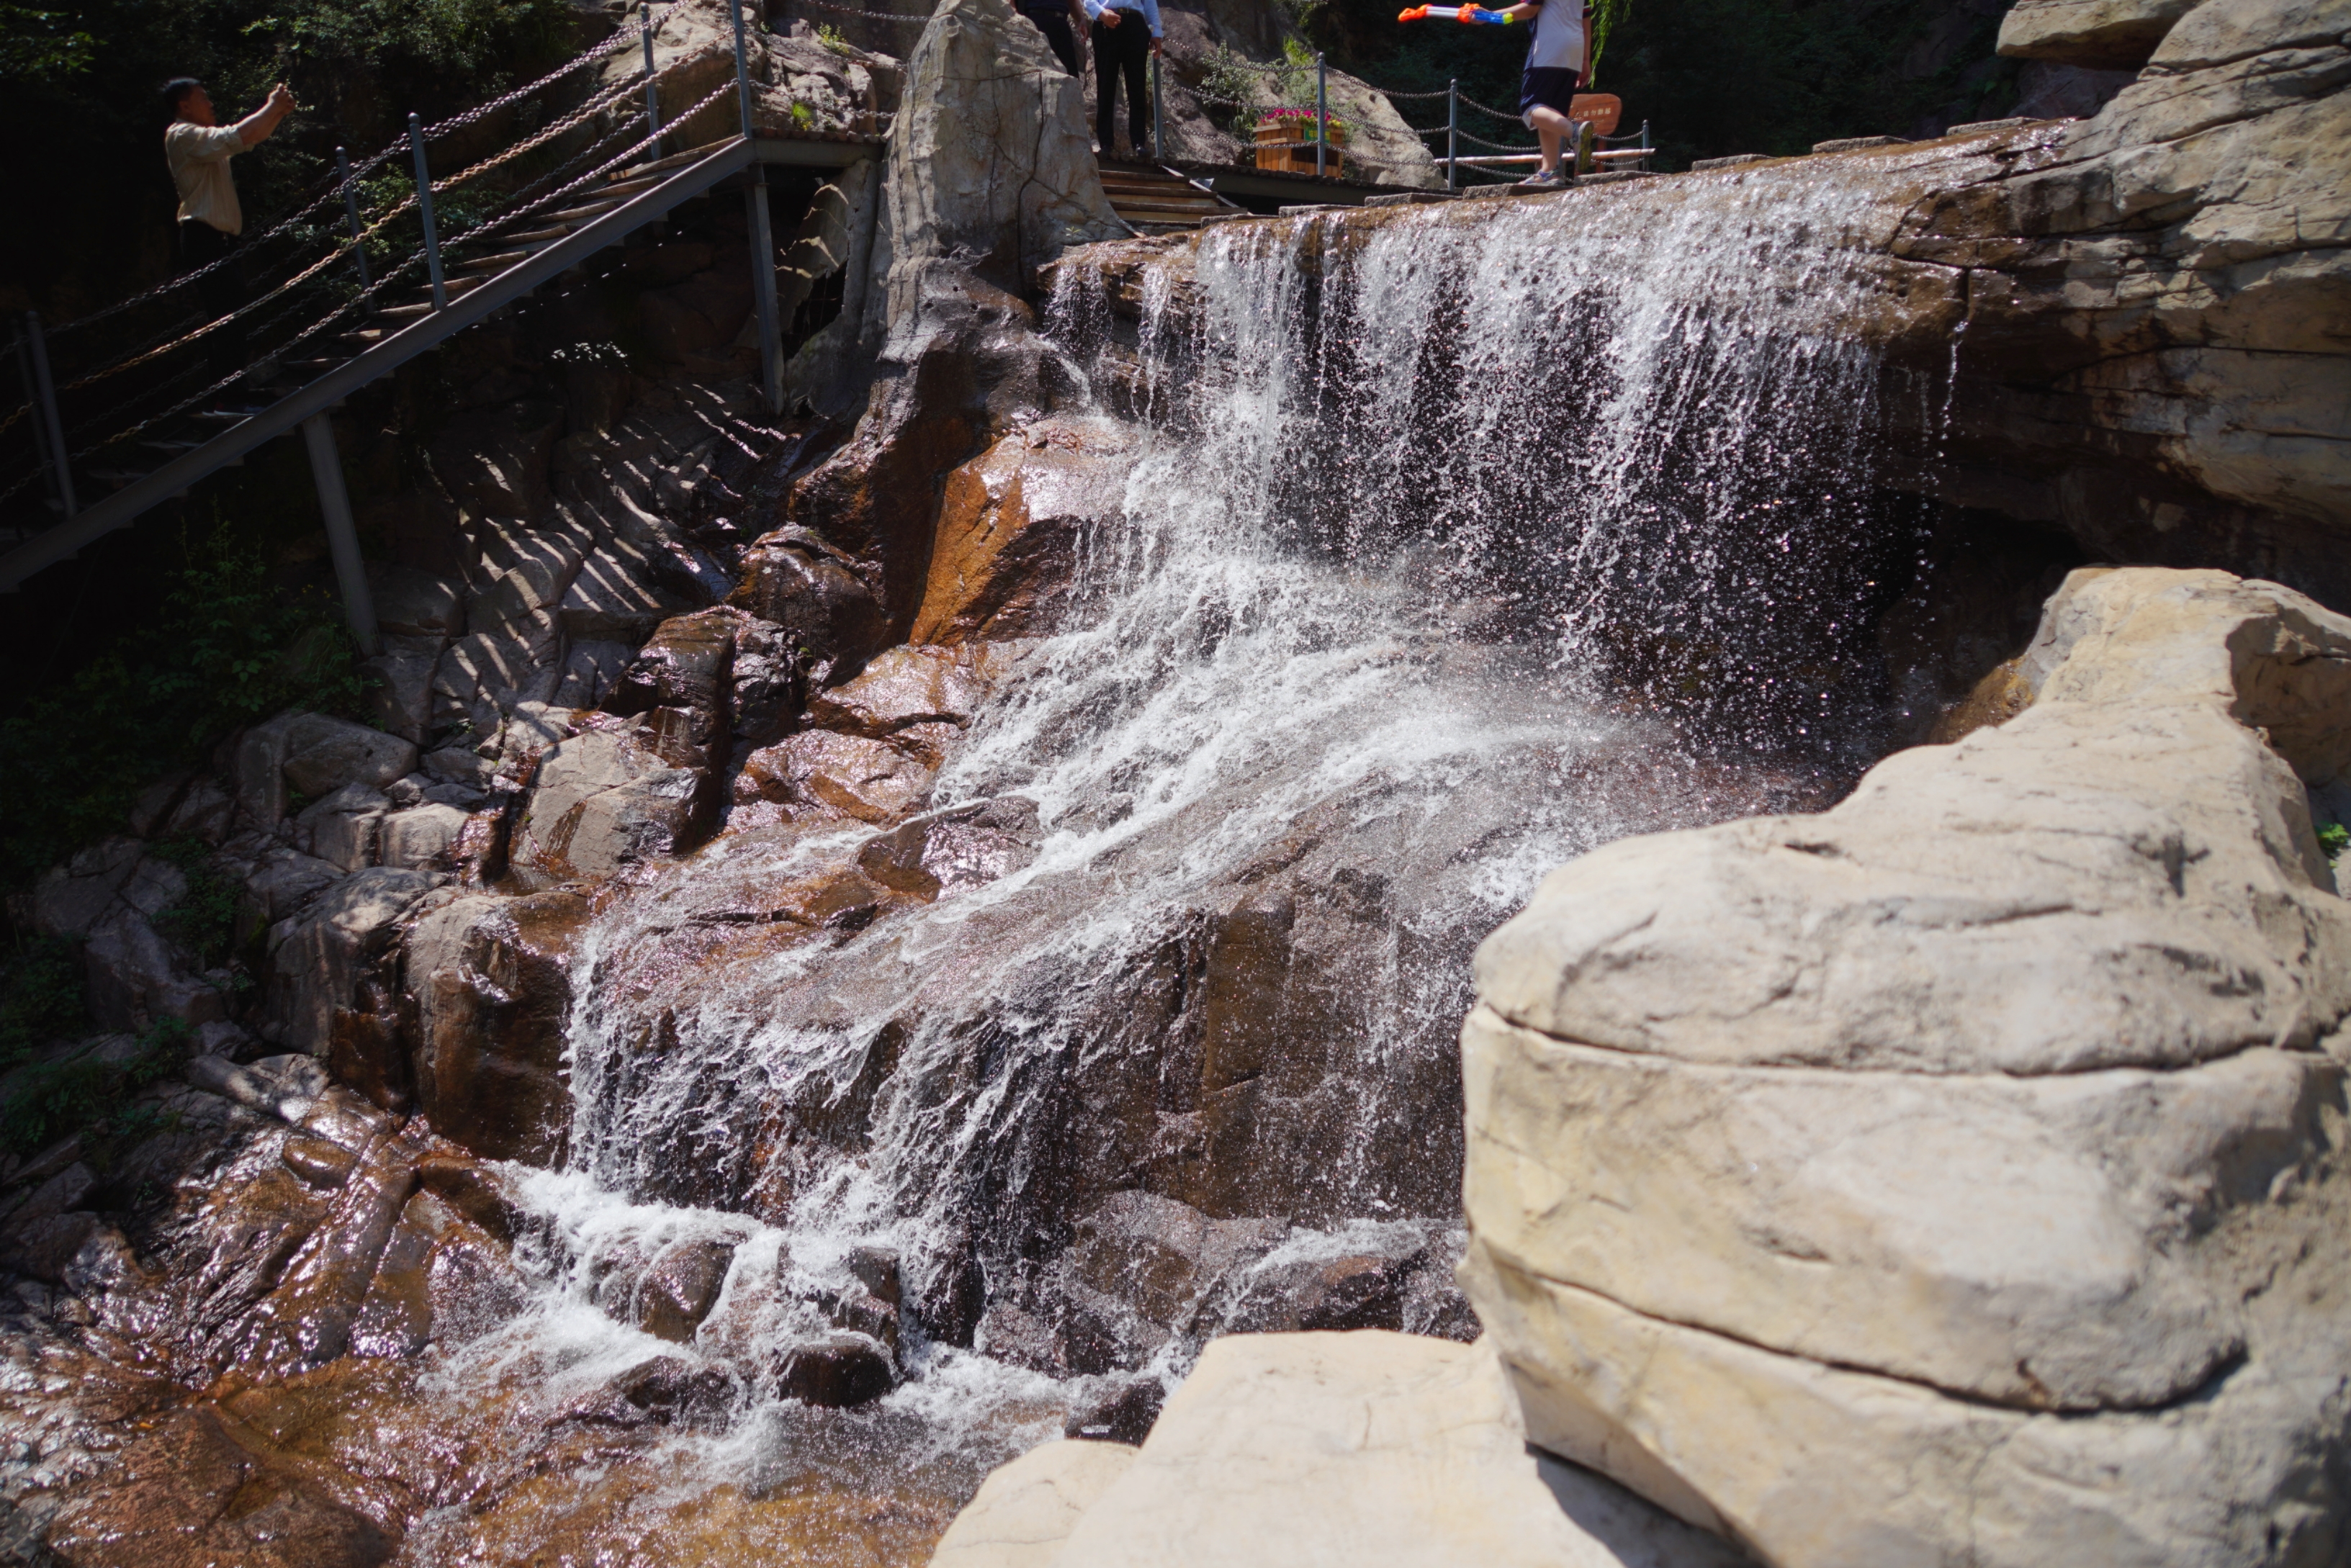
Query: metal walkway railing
x=536 y=236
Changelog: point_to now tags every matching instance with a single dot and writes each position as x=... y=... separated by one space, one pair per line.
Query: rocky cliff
x=963 y=895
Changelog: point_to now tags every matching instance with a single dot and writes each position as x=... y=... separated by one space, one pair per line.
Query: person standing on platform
x=198 y=148
x=1125 y=36
x=1557 y=56
x=1054 y=18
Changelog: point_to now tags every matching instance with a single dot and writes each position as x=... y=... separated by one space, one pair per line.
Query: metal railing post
x=1453 y=137
x=763 y=292
x=48 y=393
x=1322 y=112
x=1644 y=144
x=763 y=240
x=1158 y=118
x=351 y=214
x=742 y=70
x=424 y=206
x=40 y=428
x=653 y=87
x=342 y=537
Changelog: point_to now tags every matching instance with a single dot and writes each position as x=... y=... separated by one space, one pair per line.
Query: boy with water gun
x=1557 y=56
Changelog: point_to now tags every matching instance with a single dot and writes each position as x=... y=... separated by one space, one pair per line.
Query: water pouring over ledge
x=1451 y=546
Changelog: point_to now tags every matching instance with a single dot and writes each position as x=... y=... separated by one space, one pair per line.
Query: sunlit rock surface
x=1818 y=1163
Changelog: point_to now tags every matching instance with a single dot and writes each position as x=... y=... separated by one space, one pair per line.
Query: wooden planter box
x=1279 y=129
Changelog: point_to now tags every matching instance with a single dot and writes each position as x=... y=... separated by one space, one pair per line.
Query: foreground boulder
x=1956 y=1176
x=1303 y=1450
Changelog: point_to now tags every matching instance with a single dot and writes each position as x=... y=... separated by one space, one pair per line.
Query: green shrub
x=226 y=650
x=202 y=920
x=2335 y=838
x=92 y=1098
x=41 y=996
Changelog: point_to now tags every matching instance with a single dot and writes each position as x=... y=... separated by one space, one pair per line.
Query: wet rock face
x=491 y=978
x=1013 y=526
x=1925 y=1119
x=2157 y=274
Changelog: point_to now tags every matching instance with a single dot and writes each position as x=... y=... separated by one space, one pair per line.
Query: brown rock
x=836 y=1370
x=819 y=773
x=491 y=981
x=190 y=1494
x=684 y=667
x=815 y=593
x=320 y=1162
x=609 y=799
x=964 y=846
x=675 y=1292
x=1004 y=559
x=908 y=693
x=473 y=1190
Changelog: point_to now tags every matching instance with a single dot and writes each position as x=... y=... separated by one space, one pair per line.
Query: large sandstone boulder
x=1303 y=1450
x=1843 y=1182
x=2102 y=35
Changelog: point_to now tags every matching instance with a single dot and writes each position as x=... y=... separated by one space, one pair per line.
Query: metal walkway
x=637 y=197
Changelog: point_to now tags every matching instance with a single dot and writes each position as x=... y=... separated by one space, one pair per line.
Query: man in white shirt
x=198 y=148
x=1125 y=36
x=1556 y=58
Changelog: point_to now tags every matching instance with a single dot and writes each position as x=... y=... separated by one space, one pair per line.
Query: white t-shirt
x=1558 y=43
x=199 y=156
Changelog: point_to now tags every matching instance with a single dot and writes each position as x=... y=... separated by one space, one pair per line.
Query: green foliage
x=1605 y=16
x=2335 y=838
x=84 y=77
x=59 y=1099
x=41 y=996
x=202 y=920
x=37 y=46
x=226 y=650
x=829 y=37
x=803 y=117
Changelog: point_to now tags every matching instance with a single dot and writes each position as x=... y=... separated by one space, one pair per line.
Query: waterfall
x=1462 y=540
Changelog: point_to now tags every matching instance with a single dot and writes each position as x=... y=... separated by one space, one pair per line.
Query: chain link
x=858 y=11
x=619 y=41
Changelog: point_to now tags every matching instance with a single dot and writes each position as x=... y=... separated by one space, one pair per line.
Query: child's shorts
x=1549 y=87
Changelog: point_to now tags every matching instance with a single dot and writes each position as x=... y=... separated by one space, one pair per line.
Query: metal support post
x=653 y=87
x=742 y=72
x=424 y=205
x=351 y=214
x=763 y=292
x=1321 y=111
x=46 y=390
x=40 y=426
x=342 y=537
x=1453 y=136
x=1644 y=144
x=1158 y=117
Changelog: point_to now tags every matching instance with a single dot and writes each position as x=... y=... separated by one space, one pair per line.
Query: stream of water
x=1471 y=543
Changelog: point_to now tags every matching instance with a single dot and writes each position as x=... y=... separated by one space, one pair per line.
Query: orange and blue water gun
x=1475 y=15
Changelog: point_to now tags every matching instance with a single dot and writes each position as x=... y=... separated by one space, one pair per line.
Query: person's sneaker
x=1546 y=179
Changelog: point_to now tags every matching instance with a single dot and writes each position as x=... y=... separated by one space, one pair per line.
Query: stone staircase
x=1153 y=199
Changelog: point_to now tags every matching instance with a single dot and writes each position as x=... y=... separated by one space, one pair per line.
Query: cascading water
x=1461 y=542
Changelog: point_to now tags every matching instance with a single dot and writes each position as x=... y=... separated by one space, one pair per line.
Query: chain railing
x=285 y=314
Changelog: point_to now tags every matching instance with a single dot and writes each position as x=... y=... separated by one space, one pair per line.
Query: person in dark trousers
x=1125 y=36
x=197 y=147
x=1557 y=56
x=1054 y=19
